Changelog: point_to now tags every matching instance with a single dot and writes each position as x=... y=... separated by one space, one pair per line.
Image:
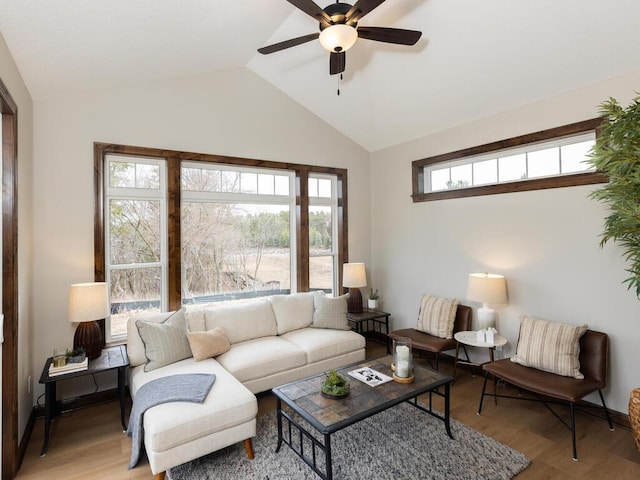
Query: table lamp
x=88 y=302
x=488 y=289
x=354 y=277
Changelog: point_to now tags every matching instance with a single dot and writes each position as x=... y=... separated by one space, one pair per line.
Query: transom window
x=552 y=158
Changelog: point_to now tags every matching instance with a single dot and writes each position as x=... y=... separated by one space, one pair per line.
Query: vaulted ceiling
x=475 y=57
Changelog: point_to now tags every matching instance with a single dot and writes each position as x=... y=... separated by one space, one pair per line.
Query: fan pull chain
x=339 y=78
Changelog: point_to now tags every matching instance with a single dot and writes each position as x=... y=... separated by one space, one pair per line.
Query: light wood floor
x=89 y=443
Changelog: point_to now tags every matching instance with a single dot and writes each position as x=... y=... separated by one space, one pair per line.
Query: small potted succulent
x=372 y=301
x=76 y=356
x=335 y=385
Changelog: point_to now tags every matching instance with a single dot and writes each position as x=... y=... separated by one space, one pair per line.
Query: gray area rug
x=401 y=442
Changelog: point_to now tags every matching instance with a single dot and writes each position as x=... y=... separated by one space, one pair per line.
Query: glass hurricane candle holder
x=402 y=358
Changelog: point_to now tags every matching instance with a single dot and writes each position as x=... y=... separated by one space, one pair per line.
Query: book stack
x=68 y=368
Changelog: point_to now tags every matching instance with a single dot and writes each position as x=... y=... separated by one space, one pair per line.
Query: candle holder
x=402 y=360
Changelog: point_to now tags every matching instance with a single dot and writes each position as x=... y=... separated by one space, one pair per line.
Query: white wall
x=230 y=113
x=545 y=242
x=13 y=81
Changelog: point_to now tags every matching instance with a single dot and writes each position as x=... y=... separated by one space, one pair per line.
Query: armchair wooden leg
x=249 y=448
x=160 y=476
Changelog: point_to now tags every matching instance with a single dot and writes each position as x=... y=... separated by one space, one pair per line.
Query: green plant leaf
x=617 y=155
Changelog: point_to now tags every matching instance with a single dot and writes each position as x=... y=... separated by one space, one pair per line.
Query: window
x=135 y=233
x=548 y=159
x=322 y=225
x=175 y=228
x=236 y=232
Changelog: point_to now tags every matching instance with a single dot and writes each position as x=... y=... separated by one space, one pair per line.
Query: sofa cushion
x=208 y=344
x=550 y=346
x=135 y=345
x=320 y=344
x=261 y=357
x=242 y=320
x=228 y=404
x=330 y=312
x=293 y=311
x=437 y=316
x=164 y=342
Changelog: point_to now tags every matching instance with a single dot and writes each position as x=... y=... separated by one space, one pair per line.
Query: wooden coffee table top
x=329 y=415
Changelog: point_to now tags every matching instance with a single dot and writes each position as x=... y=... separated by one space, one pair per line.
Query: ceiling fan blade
x=360 y=9
x=276 y=47
x=337 y=62
x=311 y=8
x=390 y=35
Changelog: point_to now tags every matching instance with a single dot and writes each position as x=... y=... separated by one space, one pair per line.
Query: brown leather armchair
x=550 y=388
x=422 y=341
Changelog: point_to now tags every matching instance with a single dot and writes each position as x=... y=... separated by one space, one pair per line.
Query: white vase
x=372 y=304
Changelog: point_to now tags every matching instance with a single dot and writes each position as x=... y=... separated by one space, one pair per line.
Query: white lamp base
x=486 y=317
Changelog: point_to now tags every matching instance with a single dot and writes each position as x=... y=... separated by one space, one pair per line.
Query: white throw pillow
x=437 y=316
x=550 y=346
x=166 y=342
x=330 y=312
x=293 y=312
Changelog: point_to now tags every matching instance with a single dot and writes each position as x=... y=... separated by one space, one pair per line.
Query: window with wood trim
x=547 y=159
x=176 y=228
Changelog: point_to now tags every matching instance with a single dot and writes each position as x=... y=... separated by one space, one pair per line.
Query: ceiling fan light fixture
x=338 y=38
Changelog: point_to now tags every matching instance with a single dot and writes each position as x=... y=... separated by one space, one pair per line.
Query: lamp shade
x=354 y=275
x=338 y=38
x=487 y=288
x=88 y=302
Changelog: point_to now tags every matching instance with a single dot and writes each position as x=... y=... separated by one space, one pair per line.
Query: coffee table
x=328 y=415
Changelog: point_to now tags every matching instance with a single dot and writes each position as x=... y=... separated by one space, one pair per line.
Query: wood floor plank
x=89 y=443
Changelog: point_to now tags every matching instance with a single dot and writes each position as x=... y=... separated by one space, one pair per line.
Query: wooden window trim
x=174 y=159
x=417 y=166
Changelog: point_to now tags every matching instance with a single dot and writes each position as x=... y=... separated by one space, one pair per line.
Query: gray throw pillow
x=165 y=342
x=330 y=312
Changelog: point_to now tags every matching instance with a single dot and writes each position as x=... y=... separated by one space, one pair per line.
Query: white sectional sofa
x=273 y=340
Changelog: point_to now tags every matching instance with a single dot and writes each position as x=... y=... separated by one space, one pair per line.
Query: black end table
x=372 y=318
x=112 y=358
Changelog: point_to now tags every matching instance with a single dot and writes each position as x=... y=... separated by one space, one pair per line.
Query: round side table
x=470 y=338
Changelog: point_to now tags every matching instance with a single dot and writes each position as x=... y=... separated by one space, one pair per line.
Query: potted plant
x=372 y=301
x=617 y=155
x=335 y=385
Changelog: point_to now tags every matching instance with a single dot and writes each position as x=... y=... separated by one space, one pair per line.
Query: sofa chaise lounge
x=273 y=340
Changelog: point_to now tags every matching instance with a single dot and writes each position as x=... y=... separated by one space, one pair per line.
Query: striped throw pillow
x=437 y=316
x=165 y=342
x=550 y=346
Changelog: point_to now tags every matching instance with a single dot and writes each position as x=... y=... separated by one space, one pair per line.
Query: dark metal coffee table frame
x=310 y=450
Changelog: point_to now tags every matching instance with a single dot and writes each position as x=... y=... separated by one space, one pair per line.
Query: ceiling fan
x=339 y=30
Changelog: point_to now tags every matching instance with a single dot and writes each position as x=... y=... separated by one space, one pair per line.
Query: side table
x=112 y=358
x=470 y=338
x=378 y=319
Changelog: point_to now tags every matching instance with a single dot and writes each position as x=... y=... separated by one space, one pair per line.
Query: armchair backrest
x=594 y=349
x=463 y=319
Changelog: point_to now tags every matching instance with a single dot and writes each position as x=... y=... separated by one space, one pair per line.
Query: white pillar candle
x=403 y=368
x=402 y=353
